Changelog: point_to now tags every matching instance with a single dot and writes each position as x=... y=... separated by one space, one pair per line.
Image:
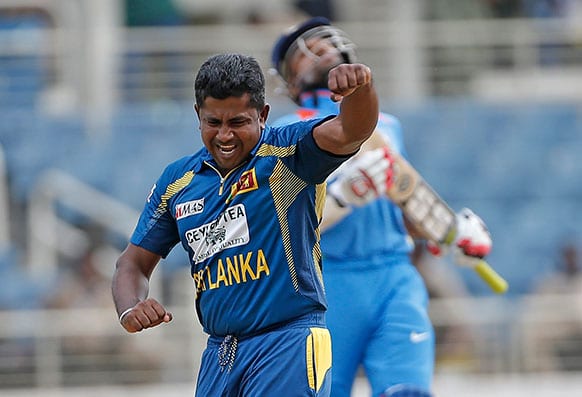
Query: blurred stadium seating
x=514 y=161
x=517 y=166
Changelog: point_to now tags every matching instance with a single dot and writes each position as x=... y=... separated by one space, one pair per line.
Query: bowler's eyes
x=212 y=122
x=238 y=122
x=233 y=123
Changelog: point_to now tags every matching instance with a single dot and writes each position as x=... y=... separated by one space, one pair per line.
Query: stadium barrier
x=44 y=349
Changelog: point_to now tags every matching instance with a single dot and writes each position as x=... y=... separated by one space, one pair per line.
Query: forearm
x=129 y=286
x=359 y=113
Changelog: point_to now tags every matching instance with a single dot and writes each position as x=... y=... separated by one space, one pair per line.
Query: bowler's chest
x=212 y=200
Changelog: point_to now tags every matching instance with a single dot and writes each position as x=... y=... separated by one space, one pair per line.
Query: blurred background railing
x=96 y=97
x=478 y=337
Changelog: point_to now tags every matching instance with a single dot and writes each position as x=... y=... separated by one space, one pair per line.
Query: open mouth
x=226 y=149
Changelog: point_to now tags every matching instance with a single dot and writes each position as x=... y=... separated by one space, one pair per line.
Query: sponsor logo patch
x=229 y=229
x=189 y=208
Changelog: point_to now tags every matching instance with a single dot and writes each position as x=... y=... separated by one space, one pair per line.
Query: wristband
x=125 y=312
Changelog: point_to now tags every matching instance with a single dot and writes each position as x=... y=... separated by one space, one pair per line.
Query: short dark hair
x=225 y=75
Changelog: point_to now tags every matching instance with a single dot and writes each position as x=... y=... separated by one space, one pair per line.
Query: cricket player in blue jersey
x=247 y=208
x=378 y=303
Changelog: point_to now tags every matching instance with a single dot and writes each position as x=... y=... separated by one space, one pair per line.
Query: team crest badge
x=246 y=183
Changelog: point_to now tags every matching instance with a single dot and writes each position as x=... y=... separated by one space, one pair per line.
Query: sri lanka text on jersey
x=237 y=269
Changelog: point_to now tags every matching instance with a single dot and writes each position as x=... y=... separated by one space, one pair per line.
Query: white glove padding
x=472 y=241
x=363 y=179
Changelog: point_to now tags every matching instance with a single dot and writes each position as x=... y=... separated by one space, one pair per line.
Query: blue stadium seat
x=516 y=166
x=22 y=77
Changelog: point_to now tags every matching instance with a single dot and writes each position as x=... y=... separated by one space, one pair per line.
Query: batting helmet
x=295 y=37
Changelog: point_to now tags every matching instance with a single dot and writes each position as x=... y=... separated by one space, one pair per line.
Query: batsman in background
x=378 y=302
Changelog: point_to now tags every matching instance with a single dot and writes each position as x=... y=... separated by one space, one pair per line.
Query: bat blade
x=427 y=210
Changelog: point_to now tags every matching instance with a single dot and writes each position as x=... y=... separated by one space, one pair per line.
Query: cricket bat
x=426 y=209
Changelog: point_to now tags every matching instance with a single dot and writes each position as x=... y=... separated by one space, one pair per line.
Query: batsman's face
x=230 y=129
x=312 y=61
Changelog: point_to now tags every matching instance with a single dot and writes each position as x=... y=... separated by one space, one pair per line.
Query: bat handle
x=491 y=277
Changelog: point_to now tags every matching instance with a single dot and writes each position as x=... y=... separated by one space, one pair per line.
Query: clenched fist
x=145 y=314
x=344 y=79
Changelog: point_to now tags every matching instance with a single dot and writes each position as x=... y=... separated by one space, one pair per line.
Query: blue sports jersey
x=381 y=219
x=252 y=236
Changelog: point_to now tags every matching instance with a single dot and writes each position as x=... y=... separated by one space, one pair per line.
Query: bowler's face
x=230 y=129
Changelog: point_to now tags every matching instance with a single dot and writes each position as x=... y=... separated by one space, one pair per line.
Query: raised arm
x=352 y=85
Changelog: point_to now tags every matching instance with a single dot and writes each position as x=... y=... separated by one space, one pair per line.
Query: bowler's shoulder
x=185 y=165
x=292 y=131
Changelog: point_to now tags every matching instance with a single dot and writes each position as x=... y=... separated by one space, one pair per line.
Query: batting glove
x=363 y=179
x=472 y=240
